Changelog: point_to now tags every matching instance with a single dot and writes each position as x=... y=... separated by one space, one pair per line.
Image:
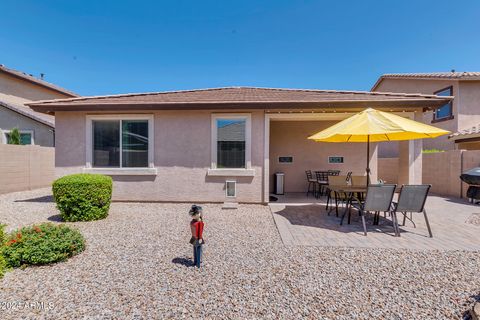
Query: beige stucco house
x=460 y=116
x=222 y=144
x=16 y=90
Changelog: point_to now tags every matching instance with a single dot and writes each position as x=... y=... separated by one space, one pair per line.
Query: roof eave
x=400 y=103
x=25 y=114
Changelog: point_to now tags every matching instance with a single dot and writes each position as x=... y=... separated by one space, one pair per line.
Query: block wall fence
x=442 y=170
x=25 y=167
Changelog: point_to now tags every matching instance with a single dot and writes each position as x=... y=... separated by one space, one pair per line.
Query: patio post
x=410 y=162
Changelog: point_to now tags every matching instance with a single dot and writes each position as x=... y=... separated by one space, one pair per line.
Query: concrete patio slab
x=304 y=221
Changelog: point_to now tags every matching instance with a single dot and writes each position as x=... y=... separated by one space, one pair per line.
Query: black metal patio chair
x=333 y=195
x=312 y=183
x=378 y=199
x=322 y=180
x=412 y=199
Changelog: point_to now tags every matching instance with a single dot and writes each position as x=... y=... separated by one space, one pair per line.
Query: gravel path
x=136 y=266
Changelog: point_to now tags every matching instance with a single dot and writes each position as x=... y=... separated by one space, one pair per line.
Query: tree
x=14 y=136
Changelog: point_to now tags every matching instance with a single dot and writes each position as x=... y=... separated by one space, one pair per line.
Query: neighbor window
x=25 y=137
x=231 y=141
x=445 y=111
x=122 y=143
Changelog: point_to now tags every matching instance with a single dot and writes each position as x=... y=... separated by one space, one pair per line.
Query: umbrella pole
x=368 y=160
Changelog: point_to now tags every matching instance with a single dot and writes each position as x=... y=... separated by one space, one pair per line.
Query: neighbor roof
x=240 y=97
x=40 y=82
x=453 y=75
x=472 y=132
x=18 y=105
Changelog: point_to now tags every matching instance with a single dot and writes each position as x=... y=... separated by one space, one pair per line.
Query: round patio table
x=349 y=192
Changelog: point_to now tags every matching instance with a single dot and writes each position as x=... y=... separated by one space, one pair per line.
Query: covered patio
x=303 y=221
x=291 y=153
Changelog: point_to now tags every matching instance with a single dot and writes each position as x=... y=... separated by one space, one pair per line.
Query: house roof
x=18 y=105
x=240 y=97
x=472 y=132
x=39 y=82
x=453 y=75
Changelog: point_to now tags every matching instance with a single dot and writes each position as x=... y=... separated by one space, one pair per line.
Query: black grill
x=472 y=177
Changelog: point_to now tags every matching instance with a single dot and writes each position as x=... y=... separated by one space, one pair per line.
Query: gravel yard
x=137 y=265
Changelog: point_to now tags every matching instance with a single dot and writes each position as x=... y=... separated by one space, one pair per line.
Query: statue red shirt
x=197 y=229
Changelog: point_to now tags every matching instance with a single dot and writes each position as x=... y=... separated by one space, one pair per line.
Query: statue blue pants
x=197 y=253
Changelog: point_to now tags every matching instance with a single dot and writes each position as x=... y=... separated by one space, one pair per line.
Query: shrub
x=432 y=150
x=2 y=234
x=41 y=244
x=83 y=197
x=3 y=265
x=14 y=136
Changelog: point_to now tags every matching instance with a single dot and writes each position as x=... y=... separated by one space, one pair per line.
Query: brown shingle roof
x=18 y=105
x=239 y=97
x=463 y=76
x=40 y=82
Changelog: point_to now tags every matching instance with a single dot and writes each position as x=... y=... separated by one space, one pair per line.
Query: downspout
x=461 y=171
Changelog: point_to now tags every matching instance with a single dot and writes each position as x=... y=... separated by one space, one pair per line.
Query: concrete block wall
x=25 y=167
x=388 y=169
x=442 y=170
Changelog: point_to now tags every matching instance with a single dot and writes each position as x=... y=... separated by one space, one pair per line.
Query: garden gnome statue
x=196 y=226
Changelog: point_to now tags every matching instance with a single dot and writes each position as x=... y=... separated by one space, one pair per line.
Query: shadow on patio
x=304 y=221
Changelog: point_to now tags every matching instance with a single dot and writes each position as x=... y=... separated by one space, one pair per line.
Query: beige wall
x=22 y=88
x=469 y=104
x=388 y=169
x=442 y=170
x=42 y=134
x=425 y=87
x=182 y=155
x=289 y=138
x=25 y=167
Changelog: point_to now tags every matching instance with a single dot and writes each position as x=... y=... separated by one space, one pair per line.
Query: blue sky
x=107 y=47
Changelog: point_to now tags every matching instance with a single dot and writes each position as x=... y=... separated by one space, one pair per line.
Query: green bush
x=83 y=197
x=2 y=234
x=3 y=264
x=432 y=150
x=41 y=244
x=14 y=137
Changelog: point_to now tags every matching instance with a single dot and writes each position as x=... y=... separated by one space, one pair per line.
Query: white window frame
x=5 y=132
x=247 y=171
x=150 y=170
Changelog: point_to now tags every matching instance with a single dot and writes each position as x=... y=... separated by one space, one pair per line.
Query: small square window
x=335 y=159
x=285 y=159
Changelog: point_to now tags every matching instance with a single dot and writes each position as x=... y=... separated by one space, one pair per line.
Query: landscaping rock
x=137 y=265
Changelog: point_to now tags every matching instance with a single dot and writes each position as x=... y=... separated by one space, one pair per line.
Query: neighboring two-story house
x=461 y=117
x=16 y=90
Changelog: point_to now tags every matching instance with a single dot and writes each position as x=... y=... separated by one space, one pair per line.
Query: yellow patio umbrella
x=372 y=125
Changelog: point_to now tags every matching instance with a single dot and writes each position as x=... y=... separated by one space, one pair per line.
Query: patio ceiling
x=244 y=98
